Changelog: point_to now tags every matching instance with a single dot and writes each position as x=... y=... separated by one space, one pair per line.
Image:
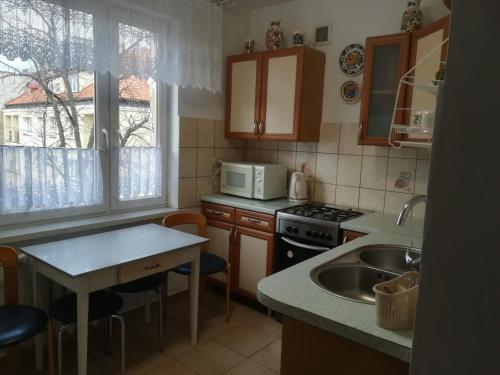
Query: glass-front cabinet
x=386 y=61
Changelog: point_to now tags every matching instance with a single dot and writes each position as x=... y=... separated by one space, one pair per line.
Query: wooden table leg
x=36 y=303
x=82 y=331
x=194 y=280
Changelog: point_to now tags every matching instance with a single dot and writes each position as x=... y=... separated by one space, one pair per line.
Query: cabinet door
x=253 y=253
x=386 y=61
x=243 y=96
x=422 y=44
x=349 y=235
x=281 y=85
x=220 y=244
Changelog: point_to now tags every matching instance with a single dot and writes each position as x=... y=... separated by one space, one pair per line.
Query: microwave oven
x=256 y=181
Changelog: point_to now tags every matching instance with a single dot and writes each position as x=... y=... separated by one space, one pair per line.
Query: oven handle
x=304 y=246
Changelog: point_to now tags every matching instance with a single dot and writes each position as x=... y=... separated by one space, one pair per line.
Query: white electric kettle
x=298 y=188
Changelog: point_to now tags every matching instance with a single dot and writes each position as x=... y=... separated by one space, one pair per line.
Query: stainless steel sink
x=353 y=275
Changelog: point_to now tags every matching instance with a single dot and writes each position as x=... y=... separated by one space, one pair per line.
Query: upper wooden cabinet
x=388 y=57
x=386 y=61
x=275 y=95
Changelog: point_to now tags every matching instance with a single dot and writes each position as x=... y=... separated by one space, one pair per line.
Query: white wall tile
x=307 y=146
x=349 y=170
x=253 y=143
x=287 y=158
x=269 y=145
x=324 y=193
x=187 y=193
x=347 y=196
x=309 y=160
x=287 y=146
x=404 y=152
x=253 y=155
x=422 y=176
x=268 y=156
x=220 y=139
x=374 y=172
x=329 y=138
x=424 y=154
x=398 y=166
x=204 y=186
x=371 y=199
x=237 y=154
x=394 y=202
x=206 y=133
x=221 y=154
x=375 y=151
x=188 y=132
x=237 y=143
x=326 y=168
x=349 y=140
x=205 y=162
x=419 y=211
x=187 y=162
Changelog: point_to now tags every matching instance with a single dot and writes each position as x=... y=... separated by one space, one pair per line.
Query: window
x=55 y=166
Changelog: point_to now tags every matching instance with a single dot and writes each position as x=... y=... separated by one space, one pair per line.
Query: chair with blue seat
x=18 y=323
x=209 y=263
x=103 y=305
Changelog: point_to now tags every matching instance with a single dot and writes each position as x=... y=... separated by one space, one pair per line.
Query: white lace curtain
x=183 y=37
x=39 y=178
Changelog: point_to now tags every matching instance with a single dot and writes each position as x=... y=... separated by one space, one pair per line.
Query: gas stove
x=307 y=230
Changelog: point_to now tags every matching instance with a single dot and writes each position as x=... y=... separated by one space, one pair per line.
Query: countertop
x=378 y=221
x=293 y=293
x=266 y=207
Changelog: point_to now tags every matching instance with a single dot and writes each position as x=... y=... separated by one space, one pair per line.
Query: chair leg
x=50 y=342
x=228 y=292
x=160 y=317
x=122 y=329
x=189 y=306
x=59 y=347
x=13 y=360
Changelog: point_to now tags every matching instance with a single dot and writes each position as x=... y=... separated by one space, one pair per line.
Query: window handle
x=104 y=133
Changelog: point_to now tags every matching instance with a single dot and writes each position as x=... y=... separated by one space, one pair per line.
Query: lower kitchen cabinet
x=309 y=350
x=253 y=259
x=349 y=235
x=246 y=240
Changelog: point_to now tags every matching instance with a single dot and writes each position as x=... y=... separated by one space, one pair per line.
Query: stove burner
x=325 y=213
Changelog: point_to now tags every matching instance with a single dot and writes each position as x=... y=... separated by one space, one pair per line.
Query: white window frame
x=106 y=119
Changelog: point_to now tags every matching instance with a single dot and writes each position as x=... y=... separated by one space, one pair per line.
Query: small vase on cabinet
x=274 y=36
x=412 y=19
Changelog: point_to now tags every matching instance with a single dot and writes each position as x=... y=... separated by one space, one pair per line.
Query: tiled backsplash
x=339 y=170
x=200 y=142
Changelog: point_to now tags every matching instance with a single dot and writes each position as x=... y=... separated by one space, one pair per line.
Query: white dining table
x=93 y=262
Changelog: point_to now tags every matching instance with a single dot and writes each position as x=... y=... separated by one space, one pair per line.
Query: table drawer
x=255 y=220
x=218 y=212
x=150 y=266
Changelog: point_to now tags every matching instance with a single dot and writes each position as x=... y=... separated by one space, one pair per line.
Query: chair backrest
x=187 y=218
x=9 y=260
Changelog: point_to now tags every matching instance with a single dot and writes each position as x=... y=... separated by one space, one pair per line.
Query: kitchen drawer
x=255 y=220
x=218 y=212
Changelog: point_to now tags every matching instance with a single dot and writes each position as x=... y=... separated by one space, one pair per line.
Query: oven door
x=290 y=251
x=237 y=179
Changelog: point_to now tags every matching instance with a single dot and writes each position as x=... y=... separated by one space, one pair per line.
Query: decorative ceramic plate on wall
x=350 y=92
x=352 y=59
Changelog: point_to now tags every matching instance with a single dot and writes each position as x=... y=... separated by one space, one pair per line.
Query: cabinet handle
x=254 y=221
x=148 y=268
x=261 y=127
x=255 y=128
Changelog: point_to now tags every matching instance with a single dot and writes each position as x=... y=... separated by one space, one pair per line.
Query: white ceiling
x=254 y=4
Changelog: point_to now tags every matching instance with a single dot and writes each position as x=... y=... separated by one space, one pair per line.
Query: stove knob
x=308 y=233
x=329 y=237
x=289 y=228
x=322 y=235
x=314 y=233
x=295 y=230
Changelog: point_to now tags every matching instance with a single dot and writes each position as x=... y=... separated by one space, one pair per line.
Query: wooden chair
x=18 y=322
x=209 y=263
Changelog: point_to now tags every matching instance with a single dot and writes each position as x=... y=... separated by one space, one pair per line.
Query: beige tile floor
x=249 y=344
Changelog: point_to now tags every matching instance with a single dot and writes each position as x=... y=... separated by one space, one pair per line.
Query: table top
x=82 y=255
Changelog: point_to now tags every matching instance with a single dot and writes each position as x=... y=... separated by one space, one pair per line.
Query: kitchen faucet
x=403 y=215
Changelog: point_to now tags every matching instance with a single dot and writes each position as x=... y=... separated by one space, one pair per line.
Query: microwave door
x=238 y=180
